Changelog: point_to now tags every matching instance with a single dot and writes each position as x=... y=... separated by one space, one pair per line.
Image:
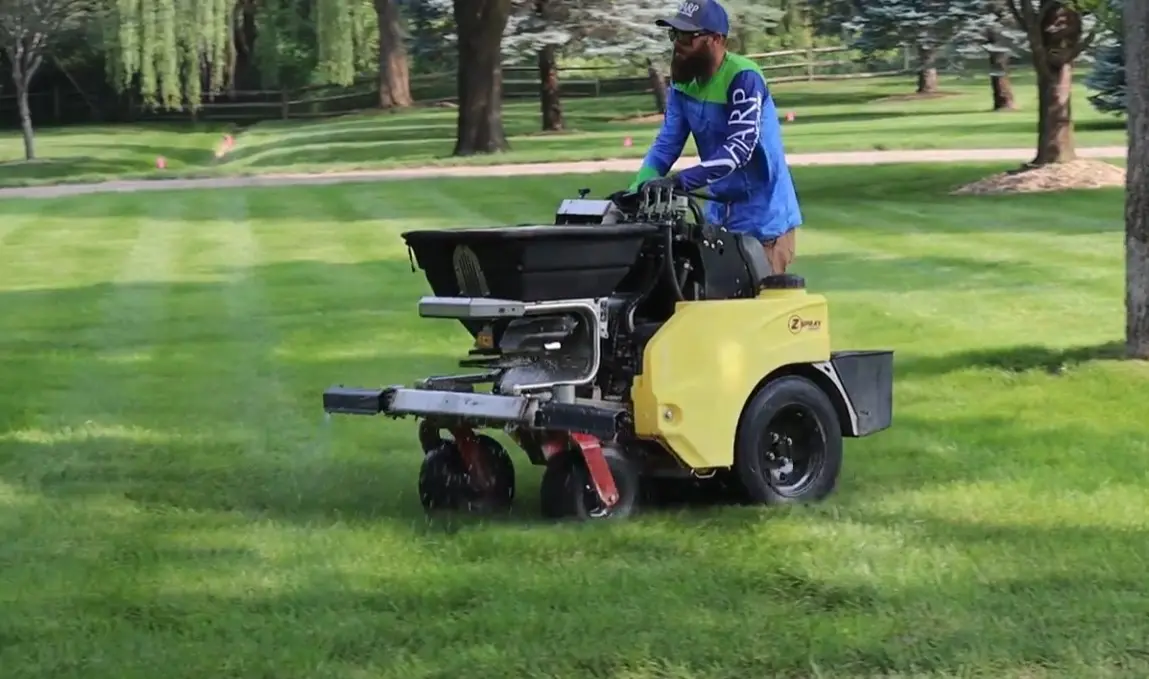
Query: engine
x=596 y=354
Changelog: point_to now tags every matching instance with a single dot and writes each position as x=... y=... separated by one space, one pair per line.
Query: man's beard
x=683 y=68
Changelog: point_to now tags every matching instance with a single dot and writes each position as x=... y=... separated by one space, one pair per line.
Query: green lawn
x=95 y=153
x=173 y=503
x=829 y=116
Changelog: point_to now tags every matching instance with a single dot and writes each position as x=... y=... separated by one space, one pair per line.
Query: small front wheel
x=789 y=443
x=568 y=491
x=446 y=482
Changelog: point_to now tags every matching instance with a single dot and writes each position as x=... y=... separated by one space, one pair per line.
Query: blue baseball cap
x=699 y=15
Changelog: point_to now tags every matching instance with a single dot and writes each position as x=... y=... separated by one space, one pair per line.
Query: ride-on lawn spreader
x=623 y=344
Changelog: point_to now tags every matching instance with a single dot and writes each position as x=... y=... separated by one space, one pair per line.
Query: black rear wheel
x=789 y=443
x=446 y=482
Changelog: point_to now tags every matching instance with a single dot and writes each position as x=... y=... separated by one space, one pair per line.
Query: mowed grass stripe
x=51 y=282
x=246 y=427
x=1004 y=281
x=1014 y=241
x=52 y=321
x=108 y=391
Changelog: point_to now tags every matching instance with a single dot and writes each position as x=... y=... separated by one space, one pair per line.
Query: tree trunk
x=927 y=71
x=1054 y=115
x=24 y=63
x=1000 y=86
x=1055 y=40
x=1136 y=20
x=26 y=120
x=394 y=79
x=657 y=85
x=552 y=106
x=480 y=25
x=999 y=82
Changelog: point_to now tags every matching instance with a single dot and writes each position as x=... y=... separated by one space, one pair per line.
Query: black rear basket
x=529 y=263
x=868 y=378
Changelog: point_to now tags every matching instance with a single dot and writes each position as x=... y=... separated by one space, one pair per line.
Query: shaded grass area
x=173 y=503
x=95 y=153
x=855 y=115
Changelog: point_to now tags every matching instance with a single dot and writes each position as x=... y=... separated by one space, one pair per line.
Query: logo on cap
x=689 y=8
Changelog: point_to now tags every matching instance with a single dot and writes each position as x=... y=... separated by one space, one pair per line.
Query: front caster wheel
x=447 y=482
x=568 y=491
x=789 y=443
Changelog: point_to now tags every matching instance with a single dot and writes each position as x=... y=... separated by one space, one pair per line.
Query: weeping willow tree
x=169 y=50
x=172 y=52
x=347 y=38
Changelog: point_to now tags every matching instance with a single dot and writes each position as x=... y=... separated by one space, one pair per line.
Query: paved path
x=526 y=169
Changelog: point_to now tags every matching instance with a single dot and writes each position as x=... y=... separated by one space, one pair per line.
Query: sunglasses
x=686 y=37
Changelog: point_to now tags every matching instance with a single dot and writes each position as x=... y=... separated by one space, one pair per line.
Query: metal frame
x=475 y=408
x=593 y=311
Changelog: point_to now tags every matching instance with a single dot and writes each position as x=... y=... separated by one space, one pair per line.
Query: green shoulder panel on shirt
x=714 y=90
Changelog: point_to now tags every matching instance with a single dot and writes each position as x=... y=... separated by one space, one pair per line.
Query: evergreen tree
x=1107 y=78
x=554 y=28
x=750 y=20
x=431 y=42
x=543 y=29
x=992 y=34
x=925 y=25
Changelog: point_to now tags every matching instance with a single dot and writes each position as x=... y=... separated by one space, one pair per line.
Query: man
x=722 y=99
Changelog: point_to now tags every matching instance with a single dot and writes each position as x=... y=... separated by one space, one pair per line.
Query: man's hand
x=660 y=184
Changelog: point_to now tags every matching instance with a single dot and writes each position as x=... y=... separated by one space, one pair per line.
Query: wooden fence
x=61 y=105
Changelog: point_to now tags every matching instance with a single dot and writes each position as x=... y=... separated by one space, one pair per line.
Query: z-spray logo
x=797 y=324
x=688 y=8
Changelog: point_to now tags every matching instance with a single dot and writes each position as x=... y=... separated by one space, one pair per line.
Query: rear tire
x=567 y=491
x=445 y=482
x=788 y=447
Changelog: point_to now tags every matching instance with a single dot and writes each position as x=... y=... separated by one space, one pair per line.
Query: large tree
x=1057 y=34
x=28 y=30
x=1136 y=21
x=480 y=25
x=394 y=78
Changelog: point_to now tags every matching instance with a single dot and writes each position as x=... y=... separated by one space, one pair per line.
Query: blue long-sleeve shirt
x=735 y=127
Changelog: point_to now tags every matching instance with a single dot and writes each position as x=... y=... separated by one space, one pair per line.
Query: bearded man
x=722 y=99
